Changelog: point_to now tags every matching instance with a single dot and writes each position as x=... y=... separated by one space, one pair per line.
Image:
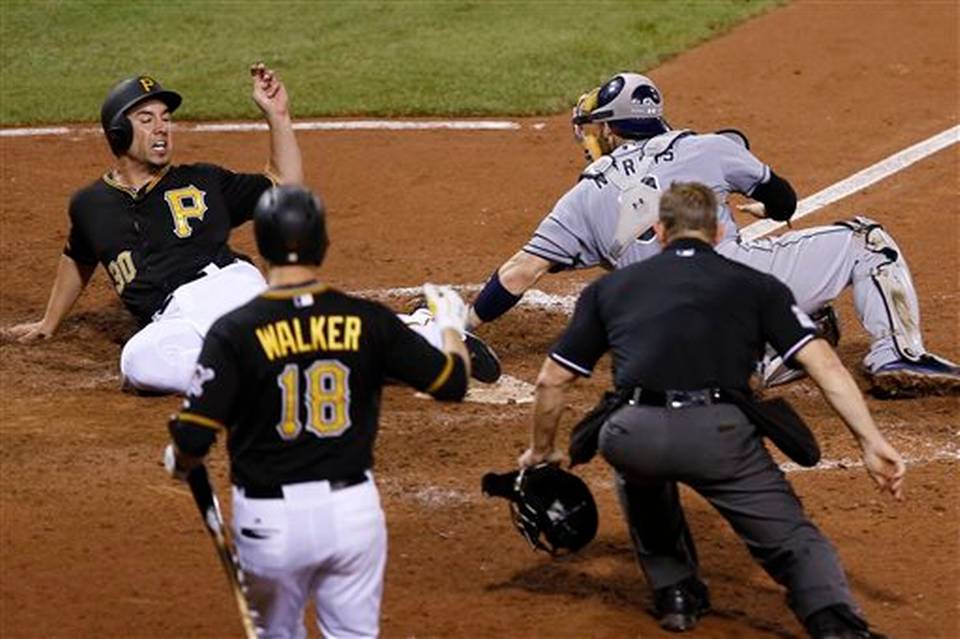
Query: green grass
x=59 y=57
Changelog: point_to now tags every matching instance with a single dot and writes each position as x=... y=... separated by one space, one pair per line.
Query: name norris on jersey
x=324 y=333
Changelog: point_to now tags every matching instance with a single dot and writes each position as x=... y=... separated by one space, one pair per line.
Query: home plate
x=507 y=390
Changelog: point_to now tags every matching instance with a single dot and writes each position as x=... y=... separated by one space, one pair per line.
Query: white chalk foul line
x=369 y=125
x=307 y=125
x=37 y=131
x=859 y=181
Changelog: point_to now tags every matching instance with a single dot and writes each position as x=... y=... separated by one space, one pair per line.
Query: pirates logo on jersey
x=186 y=203
x=201 y=375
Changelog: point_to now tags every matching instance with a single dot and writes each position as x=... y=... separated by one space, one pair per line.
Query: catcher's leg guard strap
x=494 y=300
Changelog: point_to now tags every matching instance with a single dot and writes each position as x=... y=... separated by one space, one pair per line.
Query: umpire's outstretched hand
x=885 y=466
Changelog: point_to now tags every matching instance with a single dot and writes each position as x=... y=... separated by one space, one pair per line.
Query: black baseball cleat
x=927 y=375
x=484 y=363
x=828 y=327
x=680 y=606
x=838 y=622
x=772 y=370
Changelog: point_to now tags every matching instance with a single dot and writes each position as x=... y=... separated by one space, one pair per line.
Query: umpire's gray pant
x=716 y=451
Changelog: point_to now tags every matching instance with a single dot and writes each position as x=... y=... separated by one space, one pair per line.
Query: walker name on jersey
x=317 y=333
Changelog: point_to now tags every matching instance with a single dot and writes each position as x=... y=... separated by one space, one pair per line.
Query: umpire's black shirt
x=685 y=319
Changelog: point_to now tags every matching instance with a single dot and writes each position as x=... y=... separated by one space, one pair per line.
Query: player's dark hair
x=688 y=206
x=289 y=223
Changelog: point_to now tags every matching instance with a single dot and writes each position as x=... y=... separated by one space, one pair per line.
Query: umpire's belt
x=276 y=491
x=677 y=398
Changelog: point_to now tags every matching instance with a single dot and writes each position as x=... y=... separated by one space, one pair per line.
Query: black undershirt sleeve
x=777 y=196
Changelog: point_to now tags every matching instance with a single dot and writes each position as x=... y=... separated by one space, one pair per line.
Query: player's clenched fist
x=268 y=91
x=449 y=310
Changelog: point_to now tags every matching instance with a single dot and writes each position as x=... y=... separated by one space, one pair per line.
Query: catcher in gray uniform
x=606 y=220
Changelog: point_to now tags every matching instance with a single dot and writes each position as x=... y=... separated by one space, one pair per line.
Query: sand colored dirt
x=98 y=542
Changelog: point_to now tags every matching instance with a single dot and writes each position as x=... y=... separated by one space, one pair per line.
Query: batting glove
x=447 y=307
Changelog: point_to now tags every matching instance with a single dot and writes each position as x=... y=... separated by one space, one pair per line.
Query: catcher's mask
x=628 y=106
x=289 y=223
x=125 y=95
x=552 y=509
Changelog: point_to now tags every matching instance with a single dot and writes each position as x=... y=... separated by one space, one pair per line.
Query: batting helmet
x=552 y=509
x=289 y=223
x=123 y=97
x=631 y=103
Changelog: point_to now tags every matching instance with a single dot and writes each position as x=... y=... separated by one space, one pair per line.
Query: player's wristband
x=494 y=300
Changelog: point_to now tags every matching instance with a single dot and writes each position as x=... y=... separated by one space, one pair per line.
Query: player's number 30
x=327 y=399
x=122 y=270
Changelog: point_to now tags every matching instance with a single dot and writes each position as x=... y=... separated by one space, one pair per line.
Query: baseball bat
x=209 y=507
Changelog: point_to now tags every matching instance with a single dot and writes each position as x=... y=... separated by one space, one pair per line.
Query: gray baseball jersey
x=607 y=218
x=581 y=230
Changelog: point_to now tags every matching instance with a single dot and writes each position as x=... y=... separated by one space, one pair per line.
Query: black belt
x=677 y=398
x=276 y=491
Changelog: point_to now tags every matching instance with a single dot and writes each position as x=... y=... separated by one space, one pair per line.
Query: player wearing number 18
x=295 y=378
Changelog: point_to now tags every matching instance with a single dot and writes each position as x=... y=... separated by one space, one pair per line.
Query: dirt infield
x=98 y=542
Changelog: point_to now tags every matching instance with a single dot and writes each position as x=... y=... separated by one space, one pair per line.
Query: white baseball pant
x=315 y=542
x=162 y=355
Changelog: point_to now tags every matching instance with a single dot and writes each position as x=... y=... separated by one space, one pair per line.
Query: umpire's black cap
x=122 y=97
x=289 y=223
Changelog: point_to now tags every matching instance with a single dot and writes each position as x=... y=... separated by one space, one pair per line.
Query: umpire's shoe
x=838 y=622
x=680 y=606
x=484 y=363
x=928 y=375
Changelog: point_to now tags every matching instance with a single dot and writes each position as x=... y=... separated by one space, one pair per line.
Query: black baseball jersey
x=153 y=240
x=685 y=319
x=295 y=376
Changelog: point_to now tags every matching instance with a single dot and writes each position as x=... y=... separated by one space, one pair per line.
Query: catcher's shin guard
x=891 y=278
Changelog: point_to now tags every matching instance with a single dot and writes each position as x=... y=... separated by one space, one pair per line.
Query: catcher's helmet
x=631 y=103
x=289 y=223
x=124 y=96
x=552 y=509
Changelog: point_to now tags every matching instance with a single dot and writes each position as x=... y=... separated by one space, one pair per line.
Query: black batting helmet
x=289 y=223
x=124 y=96
x=553 y=509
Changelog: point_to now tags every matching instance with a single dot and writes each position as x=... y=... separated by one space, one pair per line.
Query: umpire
x=677 y=359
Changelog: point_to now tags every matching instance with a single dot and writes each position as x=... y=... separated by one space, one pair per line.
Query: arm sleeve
x=563 y=236
x=241 y=191
x=584 y=341
x=210 y=396
x=778 y=197
x=77 y=246
x=785 y=326
x=410 y=358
